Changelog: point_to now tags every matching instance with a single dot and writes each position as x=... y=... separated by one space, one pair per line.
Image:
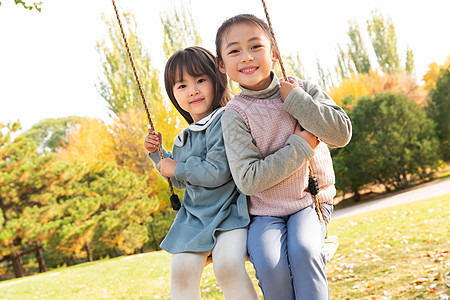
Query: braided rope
x=141 y=92
x=274 y=40
x=318 y=205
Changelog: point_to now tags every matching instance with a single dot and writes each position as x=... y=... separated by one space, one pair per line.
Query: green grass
x=395 y=253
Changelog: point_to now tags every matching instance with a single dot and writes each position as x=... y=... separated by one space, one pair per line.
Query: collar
x=180 y=140
x=206 y=121
x=271 y=92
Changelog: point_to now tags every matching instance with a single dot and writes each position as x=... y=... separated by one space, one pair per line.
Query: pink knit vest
x=270 y=126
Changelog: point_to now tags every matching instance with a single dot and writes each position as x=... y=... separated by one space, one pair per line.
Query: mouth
x=195 y=101
x=248 y=70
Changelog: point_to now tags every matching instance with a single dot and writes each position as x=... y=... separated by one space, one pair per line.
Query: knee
x=183 y=270
x=227 y=267
x=306 y=252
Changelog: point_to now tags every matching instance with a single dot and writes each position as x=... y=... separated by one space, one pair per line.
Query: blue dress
x=211 y=202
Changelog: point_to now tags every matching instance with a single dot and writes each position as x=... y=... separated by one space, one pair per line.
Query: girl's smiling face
x=194 y=94
x=247 y=56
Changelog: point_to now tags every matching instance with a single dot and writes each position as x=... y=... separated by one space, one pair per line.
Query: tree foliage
x=354 y=58
x=68 y=209
x=35 y=5
x=51 y=134
x=439 y=110
x=384 y=42
x=88 y=141
x=433 y=73
x=359 y=85
x=118 y=86
x=393 y=144
x=180 y=29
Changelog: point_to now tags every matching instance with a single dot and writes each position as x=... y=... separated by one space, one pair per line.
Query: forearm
x=251 y=172
x=319 y=114
x=156 y=159
x=211 y=170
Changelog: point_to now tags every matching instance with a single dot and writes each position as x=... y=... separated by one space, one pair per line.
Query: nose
x=194 y=91
x=246 y=56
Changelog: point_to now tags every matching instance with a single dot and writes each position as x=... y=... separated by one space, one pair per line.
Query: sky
x=49 y=65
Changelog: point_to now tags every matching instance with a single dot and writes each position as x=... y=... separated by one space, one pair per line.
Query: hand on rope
x=286 y=86
x=153 y=141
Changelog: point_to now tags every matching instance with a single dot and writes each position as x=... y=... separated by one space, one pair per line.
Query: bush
x=393 y=144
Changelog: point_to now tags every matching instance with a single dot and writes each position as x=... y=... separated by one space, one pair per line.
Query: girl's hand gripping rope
x=287 y=86
x=152 y=141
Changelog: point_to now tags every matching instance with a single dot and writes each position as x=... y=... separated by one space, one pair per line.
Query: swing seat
x=331 y=246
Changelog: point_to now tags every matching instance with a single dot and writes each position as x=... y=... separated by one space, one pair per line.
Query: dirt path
x=424 y=191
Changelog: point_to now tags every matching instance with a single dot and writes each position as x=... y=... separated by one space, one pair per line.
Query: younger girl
x=269 y=159
x=213 y=218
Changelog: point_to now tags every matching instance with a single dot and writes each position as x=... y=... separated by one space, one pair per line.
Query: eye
x=233 y=52
x=201 y=80
x=255 y=47
x=181 y=86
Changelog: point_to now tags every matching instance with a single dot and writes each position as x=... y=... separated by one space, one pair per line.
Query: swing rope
x=313 y=184
x=174 y=200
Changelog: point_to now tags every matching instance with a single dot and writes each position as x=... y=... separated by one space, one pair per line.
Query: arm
x=166 y=154
x=211 y=172
x=319 y=114
x=251 y=172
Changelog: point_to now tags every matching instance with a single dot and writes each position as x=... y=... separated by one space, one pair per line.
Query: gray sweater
x=211 y=201
x=315 y=111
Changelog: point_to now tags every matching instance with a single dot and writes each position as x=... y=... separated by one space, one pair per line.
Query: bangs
x=191 y=64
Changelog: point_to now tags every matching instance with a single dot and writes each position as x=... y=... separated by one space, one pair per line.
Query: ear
x=221 y=65
x=274 y=55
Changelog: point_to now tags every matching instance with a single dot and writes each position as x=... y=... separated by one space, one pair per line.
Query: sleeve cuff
x=300 y=143
x=155 y=157
x=180 y=171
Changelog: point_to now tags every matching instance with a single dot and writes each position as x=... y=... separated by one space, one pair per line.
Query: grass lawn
x=396 y=253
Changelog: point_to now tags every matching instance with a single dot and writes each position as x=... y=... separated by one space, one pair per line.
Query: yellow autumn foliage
x=434 y=70
x=89 y=141
x=362 y=84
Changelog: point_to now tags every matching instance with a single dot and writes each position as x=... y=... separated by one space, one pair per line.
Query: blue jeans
x=288 y=254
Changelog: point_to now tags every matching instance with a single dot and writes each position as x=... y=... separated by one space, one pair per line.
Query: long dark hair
x=195 y=61
x=242 y=18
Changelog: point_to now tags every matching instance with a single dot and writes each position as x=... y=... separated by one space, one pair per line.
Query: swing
x=331 y=242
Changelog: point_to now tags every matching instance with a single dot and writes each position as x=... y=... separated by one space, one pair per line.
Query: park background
x=75 y=182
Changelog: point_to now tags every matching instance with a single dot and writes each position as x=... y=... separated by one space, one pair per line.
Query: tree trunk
x=154 y=238
x=41 y=261
x=19 y=271
x=88 y=252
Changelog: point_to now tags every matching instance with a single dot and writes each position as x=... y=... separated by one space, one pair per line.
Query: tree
x=384 y=42
x=354 y=58
x=343 y=68
x=180 y=29
x=357 y=51
x=409 y=62
x=369 y=84
x=51 y=134
x=26 y=180
x=36 y=5
x=393 y=144
x=88 y=141
x=433 y=73
x=108 y=208
x=439 y=110
x=118 y=86
x=325 y=78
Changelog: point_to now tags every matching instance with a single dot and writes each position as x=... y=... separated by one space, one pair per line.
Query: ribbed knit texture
x=270 y=126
